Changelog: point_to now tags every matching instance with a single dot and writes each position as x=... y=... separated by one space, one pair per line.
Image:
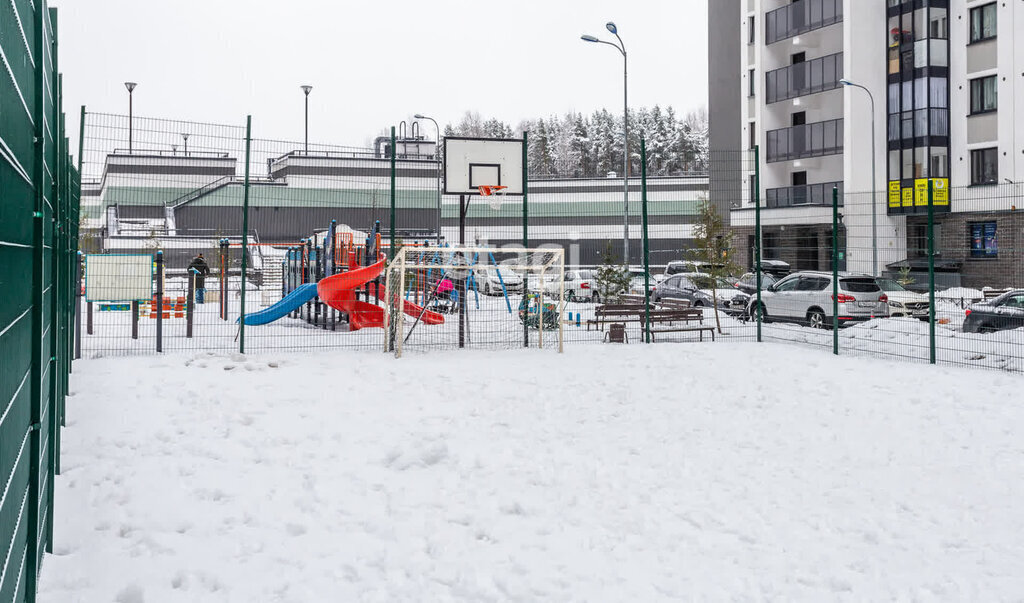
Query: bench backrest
x=674 y=314
x=675 y=303
x=612 y=308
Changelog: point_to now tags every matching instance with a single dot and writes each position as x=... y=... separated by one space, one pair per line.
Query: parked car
x=726 y=295
x=489 y=280
x=579 y=286
x=686 y=267
x=636 y=282
x=680 y=286
x=772 y=271
x=902 y=301
x=1000 y=314
x=806 y=298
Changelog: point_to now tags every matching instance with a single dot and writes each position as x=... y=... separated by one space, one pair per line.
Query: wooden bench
x=675 y=304
x=670 y=317
x=615 y=313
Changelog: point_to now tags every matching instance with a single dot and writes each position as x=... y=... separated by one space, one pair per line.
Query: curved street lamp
x=131 y=88
x=621 y=47
x=874 y=204
x=306 y=89
x=437 y=155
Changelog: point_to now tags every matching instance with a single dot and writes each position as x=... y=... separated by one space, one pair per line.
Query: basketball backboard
x=470 y=163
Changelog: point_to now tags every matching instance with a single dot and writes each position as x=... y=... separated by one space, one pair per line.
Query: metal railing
x=810 y=140
x=800 y=17
x=808 y=194
x=810 y=77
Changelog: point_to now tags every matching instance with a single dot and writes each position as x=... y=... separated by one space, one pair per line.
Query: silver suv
x=806 y=298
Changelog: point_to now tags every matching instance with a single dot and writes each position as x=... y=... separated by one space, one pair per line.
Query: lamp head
x=419 y=116
x=306 y=89
x=845 y=82
x=611 y=27
x=130 y=86
x=587 y=38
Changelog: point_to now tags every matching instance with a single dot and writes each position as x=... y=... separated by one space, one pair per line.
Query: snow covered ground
x=608 y=473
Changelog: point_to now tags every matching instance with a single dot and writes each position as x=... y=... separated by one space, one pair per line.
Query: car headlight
x=895 y=304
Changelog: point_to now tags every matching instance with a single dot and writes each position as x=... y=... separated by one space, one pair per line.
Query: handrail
x=199 y=192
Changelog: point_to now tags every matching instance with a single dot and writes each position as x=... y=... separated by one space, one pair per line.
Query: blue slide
x=289 y=303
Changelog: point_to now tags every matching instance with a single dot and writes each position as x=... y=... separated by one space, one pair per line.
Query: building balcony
x=800 y=17
x=806 y=195
x=800 y=142
x=801 y=79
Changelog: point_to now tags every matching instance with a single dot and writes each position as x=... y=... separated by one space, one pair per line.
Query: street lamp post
x=131 y=87
x=306 y=90
x=874 y=185
x=437 y=154
x=184 y=135
x=621 y=47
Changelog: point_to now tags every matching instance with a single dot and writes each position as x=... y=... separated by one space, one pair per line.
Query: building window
x=983 y=23
x=752 y=134
x=984 y=94
x=751 y=85
x=983 y=239
x=985 y=166
x=751 y=33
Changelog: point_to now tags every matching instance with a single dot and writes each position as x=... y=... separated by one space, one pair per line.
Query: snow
x=608 y=473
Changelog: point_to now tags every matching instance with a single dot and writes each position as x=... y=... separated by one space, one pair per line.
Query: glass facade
x=918 y=104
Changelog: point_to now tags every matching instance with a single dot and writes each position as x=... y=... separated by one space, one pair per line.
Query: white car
x=903 y=302
x=490 y=280
x=579 y=286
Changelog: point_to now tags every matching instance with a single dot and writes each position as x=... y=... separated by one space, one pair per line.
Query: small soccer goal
x=474 y=297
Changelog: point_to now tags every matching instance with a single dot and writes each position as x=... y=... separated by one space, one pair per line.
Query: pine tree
x=714 y=247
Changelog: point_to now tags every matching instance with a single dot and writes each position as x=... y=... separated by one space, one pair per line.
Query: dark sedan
x=999 y=314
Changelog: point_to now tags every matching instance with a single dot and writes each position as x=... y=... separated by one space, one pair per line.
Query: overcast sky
x=373 y=64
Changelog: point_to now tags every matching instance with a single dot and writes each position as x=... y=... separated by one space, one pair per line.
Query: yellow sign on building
x=940 y=191
x=894 y=194
x=908 y=197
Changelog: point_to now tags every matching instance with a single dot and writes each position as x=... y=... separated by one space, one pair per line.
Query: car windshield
x=859 y=285
x=888 y=284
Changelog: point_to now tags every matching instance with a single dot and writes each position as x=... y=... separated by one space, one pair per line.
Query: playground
x=499 y=476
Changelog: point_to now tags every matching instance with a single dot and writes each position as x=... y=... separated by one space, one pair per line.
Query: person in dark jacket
x=201 y=270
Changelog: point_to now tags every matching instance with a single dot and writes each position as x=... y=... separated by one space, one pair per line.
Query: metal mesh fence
x=306 y=212
x=38 y=231
x=942 y=288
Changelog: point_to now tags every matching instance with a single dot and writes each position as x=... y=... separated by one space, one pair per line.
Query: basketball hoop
x=496 y=192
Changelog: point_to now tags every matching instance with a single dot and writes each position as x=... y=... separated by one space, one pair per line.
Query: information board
x=118 y=278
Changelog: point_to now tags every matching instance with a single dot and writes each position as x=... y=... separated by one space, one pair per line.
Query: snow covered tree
x=612 y=277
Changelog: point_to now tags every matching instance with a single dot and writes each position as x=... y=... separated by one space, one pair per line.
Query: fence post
x=78 y=306
x=835 y=270
x=135 y=319
x=931 y=273
x=190 y=301
x=526 y=238
x=394 y=155
x=647 y=248
x=245 y=234
x=757 y=237
x=224 y=263
x=37 y=284
x=159 y=301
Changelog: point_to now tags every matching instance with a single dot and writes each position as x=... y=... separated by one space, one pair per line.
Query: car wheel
x=487 y=288
x=698 y=304
x=596 y=297
x=816 y=319
x=759 y=313
x=986 y=329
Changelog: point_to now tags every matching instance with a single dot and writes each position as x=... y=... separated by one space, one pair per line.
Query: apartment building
x=878 y=99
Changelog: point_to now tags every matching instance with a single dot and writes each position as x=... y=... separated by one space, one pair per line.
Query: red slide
x=339 y=292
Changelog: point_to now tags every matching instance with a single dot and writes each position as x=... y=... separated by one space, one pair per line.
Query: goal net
x=474 y=297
